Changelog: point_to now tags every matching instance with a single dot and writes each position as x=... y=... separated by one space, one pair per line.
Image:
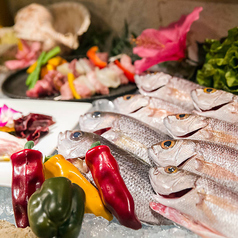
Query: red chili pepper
x=127 y=73
x=112 y=189
x=27 y=177
x=91 y=53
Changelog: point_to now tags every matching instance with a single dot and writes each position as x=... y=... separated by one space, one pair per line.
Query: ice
x=6 y=210
x=101 y=228
x=103 y=105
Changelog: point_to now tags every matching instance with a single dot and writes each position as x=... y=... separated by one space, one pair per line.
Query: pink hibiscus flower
x=165 y=44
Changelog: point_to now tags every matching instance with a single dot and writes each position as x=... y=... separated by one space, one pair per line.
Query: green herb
x=220 y=69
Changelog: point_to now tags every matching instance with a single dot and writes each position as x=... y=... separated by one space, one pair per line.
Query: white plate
x=65 y=115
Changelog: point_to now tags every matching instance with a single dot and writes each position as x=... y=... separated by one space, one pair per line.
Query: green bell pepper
x=57 y=209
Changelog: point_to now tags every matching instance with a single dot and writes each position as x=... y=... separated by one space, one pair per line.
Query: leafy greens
x=220 y=69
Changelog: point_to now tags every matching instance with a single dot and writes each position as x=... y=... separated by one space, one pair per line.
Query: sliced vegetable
x=56 y=61
x=31 y=68
x=91 y=54
x=27 y=177
x=57 y=209
x=51 y=54
x=42 y=60
x=57 y=166
x=34 y=76
x=71 y=85
x=113 y=191
x=127 y=73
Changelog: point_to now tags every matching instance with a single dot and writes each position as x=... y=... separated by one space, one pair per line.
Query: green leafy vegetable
x=220 y=69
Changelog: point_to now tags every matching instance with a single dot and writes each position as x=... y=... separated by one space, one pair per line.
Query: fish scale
x=197 y=127
x=134 y=172
x=210 y=204
x=172 y=89
x=210 y=160
x=127 y=132
x=147 y=109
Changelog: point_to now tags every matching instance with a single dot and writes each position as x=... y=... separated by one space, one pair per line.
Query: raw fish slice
x=108 y=77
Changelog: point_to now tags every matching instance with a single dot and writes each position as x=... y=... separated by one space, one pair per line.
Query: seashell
x=60 y=23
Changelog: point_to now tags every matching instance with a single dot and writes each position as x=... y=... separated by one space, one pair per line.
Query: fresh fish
x=210 y=160
x=199 y=199
x=164 y=86
x=125 y=131
x=214 y=103
x=9 y=144
x=150 y=110
x=183 y=220
x=195 y=127
x=134 y=171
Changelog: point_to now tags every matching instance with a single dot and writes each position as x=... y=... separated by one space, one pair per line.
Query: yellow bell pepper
x=50 y=67
x=58 y=166
x=7 y=129
x=4 y=158
x=31 y=68
x=56 y=61
x=71 y=85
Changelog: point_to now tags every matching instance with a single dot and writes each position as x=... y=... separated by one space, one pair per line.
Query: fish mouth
x=185 y=161
x=189 y=134
x=213 y=108
x=102 y=131
x=176 y=195
x=136 y=110
x=151 y=91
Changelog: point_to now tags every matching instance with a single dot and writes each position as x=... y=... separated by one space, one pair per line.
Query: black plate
x=14 y=87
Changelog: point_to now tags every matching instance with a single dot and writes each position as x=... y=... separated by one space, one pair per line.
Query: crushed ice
x=101 y=228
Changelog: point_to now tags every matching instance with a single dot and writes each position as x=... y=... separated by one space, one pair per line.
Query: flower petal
x=165 y=44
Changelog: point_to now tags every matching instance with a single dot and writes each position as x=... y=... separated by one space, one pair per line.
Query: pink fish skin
x=164 y=86
x=147 y=109
x=199 y=199
x=210 y=160
x=184 y=220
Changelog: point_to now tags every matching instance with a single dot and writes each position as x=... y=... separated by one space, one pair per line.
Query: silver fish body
x=164 y=86
x=214 y=103
x=125 y=131
x=134 y=172
x=195 y=127
x=216 y=162
x=203 y=201
x=150 y=110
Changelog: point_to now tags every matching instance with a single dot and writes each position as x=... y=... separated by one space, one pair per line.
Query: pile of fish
x=176 y=144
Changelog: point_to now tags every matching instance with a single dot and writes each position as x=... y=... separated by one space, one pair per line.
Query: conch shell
x=60 y=23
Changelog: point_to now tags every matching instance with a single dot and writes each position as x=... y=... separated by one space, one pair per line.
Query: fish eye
x=76 y=135
x=182 y=116
x=128 y=97
x=96 y=114
x=209 y=90
x=170 y=169
x=167 y=144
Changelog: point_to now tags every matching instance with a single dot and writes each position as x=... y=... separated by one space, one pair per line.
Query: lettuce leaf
x=220 y=69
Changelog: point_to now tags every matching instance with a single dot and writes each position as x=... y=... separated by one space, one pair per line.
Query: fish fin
x=184 y=221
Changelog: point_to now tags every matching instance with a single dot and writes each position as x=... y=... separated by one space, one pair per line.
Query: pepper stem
x=97 y=143
x=29 y=144
x=47 y=158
